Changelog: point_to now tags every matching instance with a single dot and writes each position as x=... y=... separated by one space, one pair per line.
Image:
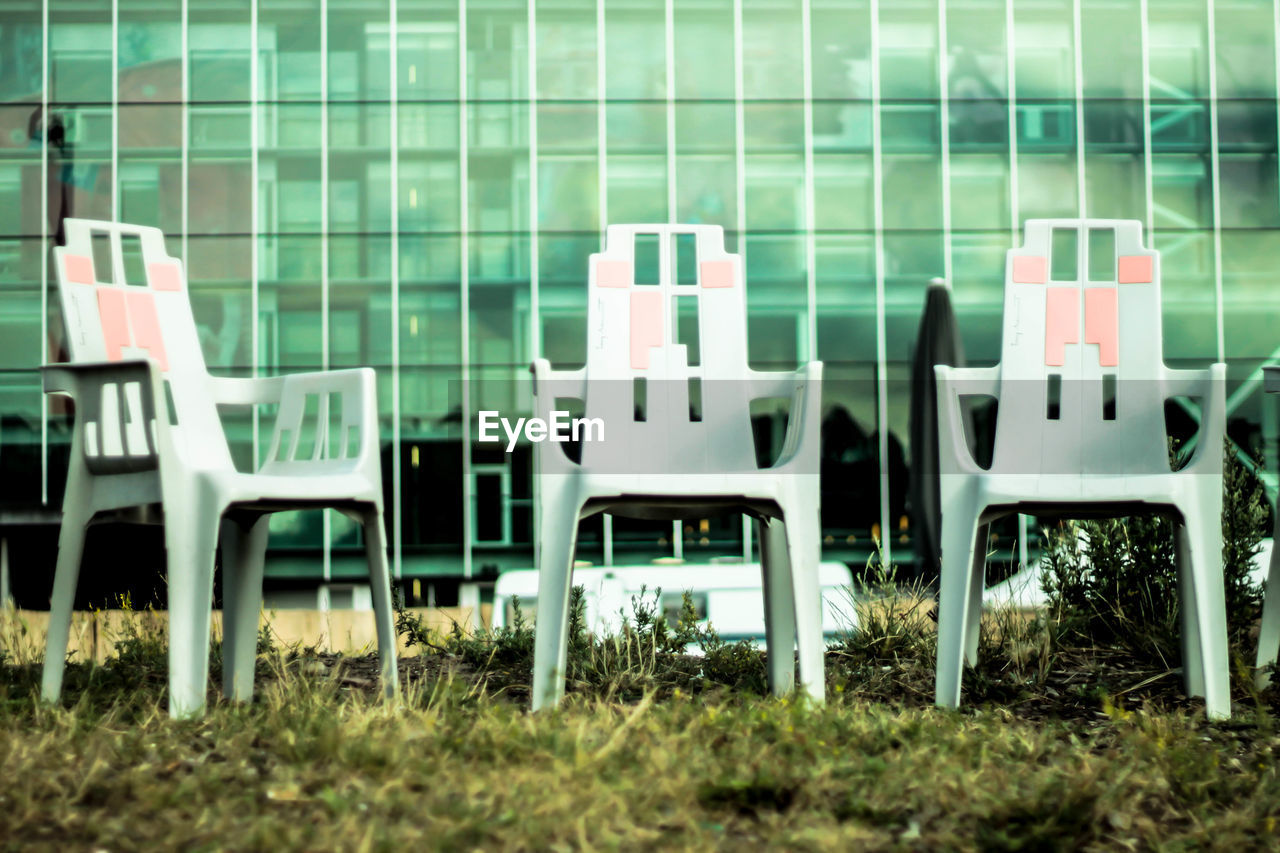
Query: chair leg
x=955 y=600
x=1192 y=669
x=557 y=530
x=779 y=606
x=1204 y=539
x=1269 y=633
x=191 y=539
x=375 y=546
x=67 y=573
x=230 y=539
x=244 y=548
x=803 y=549
x=973 y=617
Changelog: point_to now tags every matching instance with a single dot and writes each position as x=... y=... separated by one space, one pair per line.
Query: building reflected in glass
x=416 y=186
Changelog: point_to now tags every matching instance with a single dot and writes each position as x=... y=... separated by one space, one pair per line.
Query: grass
x=310 y=767
x=1057 y=748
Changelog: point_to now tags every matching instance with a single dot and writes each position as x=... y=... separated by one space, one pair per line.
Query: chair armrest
x=1271 y=378
x=350 y=379
x=970 y=381
x=75 y=378
x=357 y=390
x=952 y=384
x=765 y=384
x=801 y=446
x=86 y=382
x=237 y=391
x=1209 y=385
x=548 y=384
x=1192 y=383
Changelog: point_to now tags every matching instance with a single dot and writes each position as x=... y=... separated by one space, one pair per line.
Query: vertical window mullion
x=810 y=239
x=1147 y=154
x=1215 y=169
x=44 y=244
x=397 y=521
x=882 y=378
x=944 y=139
x=464 y=281
x=1078 y=71
x=1010 y=37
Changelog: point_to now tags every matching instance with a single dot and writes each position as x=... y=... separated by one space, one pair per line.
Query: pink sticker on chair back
x=129 y=319
x=646 y=326
x=1134 y=269
x=1061 y=323
x=78 y=269
x=1028 y=269
x=113 y=316
x=145 y=323
x=716 y=273
x=614 y=273
x=164 y=277
x=1102 y=324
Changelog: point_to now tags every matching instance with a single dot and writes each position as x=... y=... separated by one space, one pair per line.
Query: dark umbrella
x=937 y=342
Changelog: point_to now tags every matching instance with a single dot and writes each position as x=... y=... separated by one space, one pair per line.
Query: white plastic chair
x=1099 y=449
x=1269 y=632
x=136 y=355
x=668 y=466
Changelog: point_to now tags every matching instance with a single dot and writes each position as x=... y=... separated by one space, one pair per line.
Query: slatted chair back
x=1081 y=356
x=667 y=352
x=124 y=297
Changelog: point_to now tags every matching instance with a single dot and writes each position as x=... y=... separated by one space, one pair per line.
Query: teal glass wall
x=416 y=185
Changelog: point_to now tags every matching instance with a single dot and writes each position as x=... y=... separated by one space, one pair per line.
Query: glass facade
x=416 y=185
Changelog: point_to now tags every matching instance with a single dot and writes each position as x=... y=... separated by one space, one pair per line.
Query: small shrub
x=1114 y=582
x=141 y=645
x=266 y=639
x=1244 y=523
x=738 y=665
x=508 y=647
x=896 y=624
x=411 y=627
x=19 y=645
x=646 y=653
x=579 y=638
x=890 y=649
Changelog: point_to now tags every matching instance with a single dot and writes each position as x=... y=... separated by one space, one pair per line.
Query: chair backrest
x=123 y=297
x=661 y=330
x=1081 y=356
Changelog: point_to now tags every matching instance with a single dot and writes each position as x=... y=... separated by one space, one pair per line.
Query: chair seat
x=766 y=484
x=1089 y=495
x=266 y=489
x=664 y=498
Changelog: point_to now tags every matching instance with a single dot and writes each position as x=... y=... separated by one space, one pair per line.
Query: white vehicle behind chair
x=726 y=596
